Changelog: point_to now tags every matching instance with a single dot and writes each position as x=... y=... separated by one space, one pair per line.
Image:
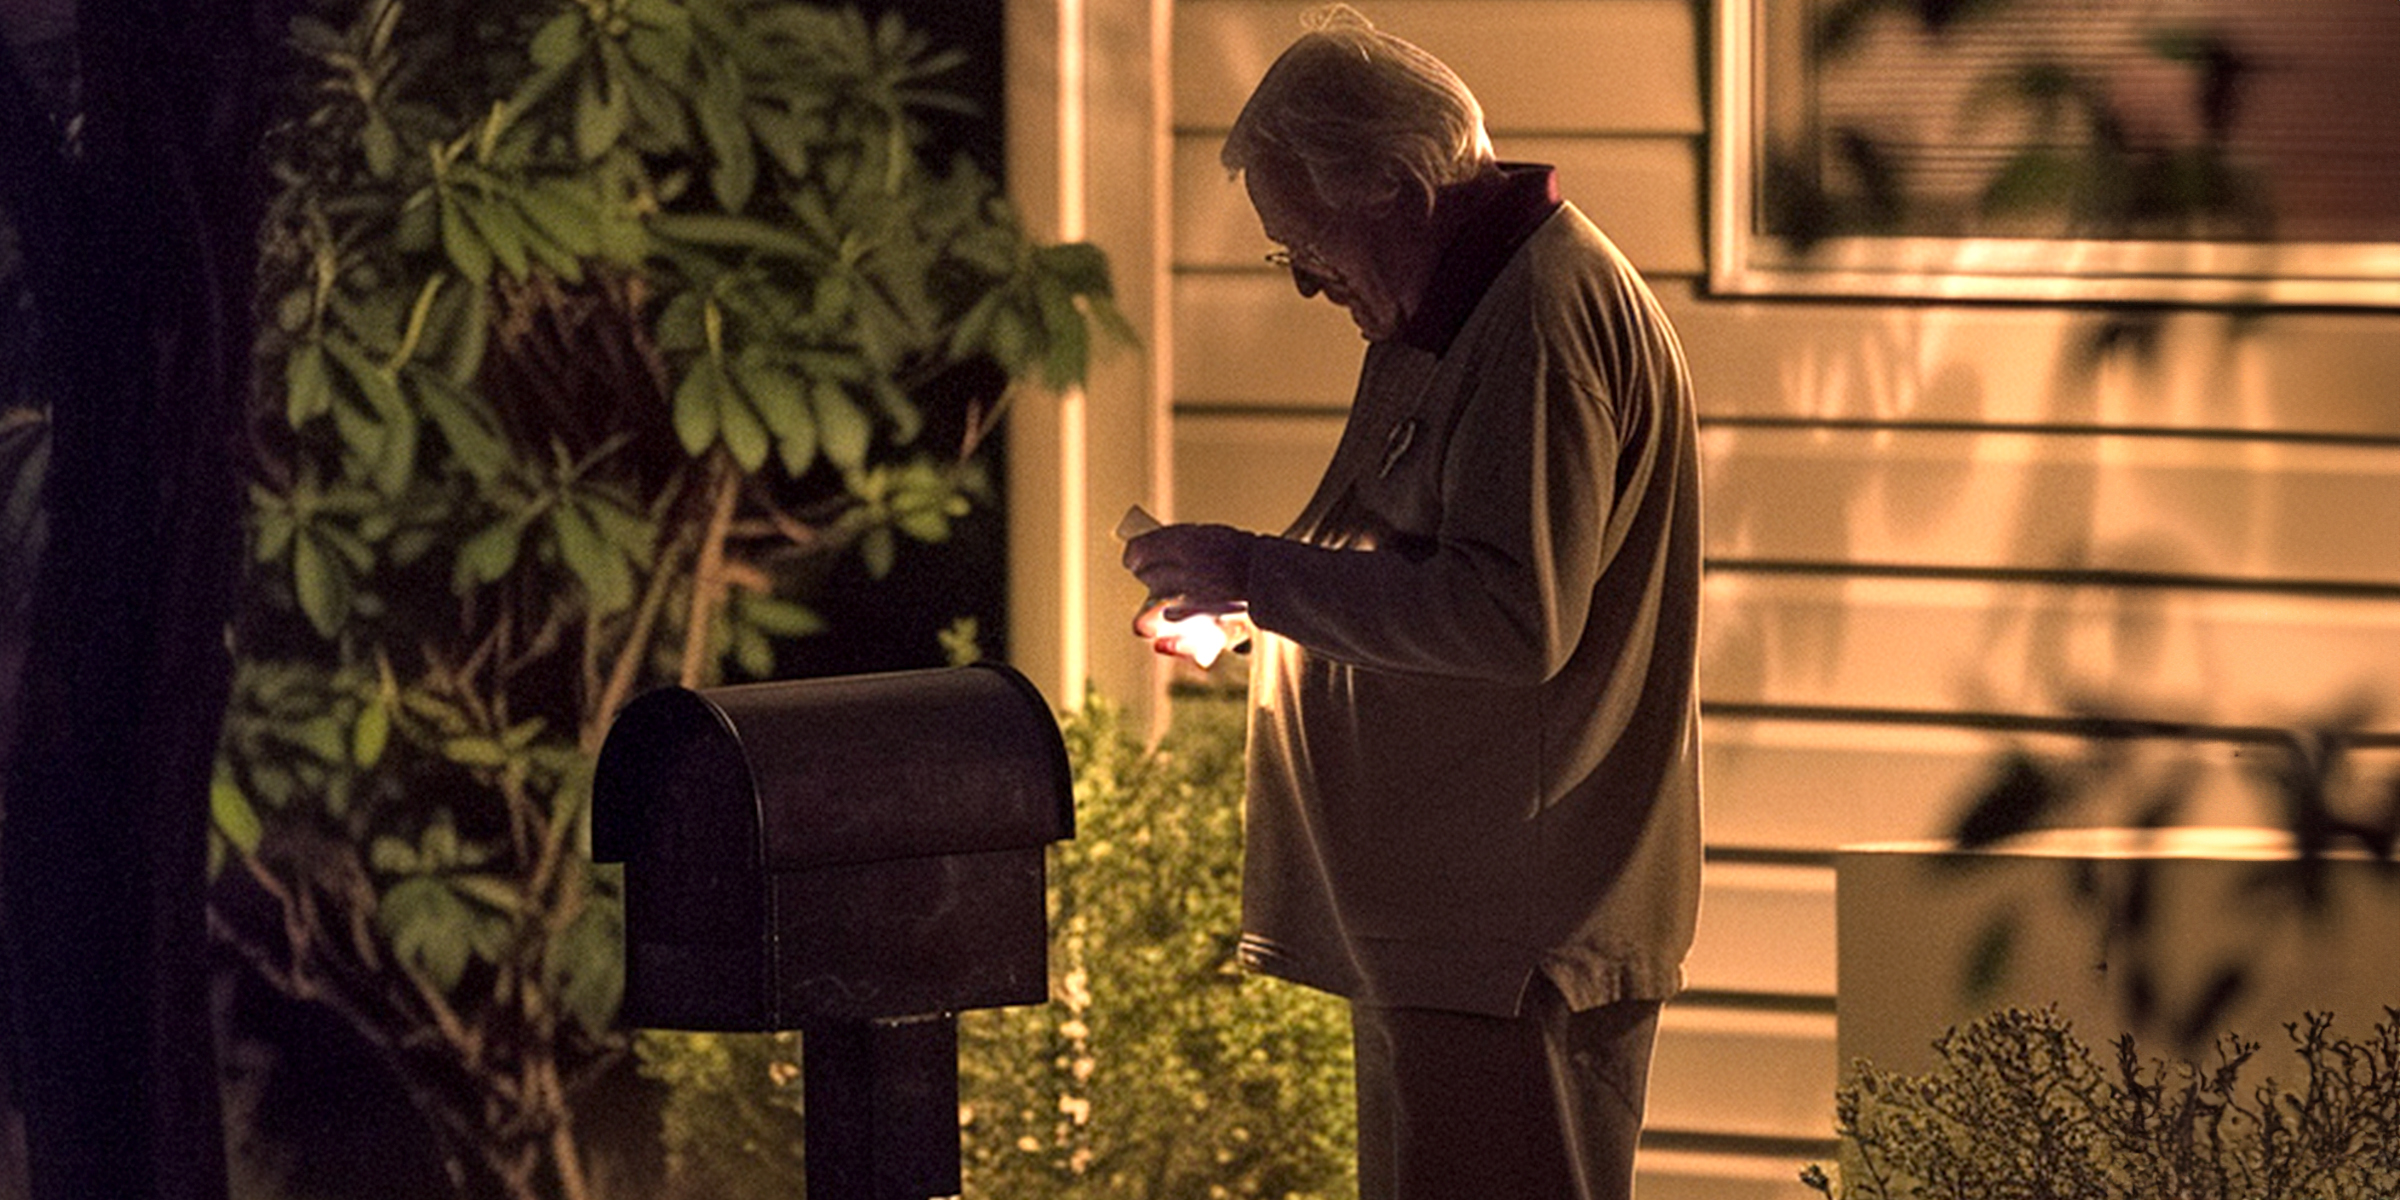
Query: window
x=2154 y=151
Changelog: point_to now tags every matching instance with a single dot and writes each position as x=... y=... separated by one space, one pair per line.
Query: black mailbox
x=856 y=858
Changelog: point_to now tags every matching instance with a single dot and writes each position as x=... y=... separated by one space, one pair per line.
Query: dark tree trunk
x=139 y=237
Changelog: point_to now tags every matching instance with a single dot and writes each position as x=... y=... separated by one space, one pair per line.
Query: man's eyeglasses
x=1308 y=280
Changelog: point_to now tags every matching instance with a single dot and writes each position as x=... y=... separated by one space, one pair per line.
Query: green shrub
x=1156 y=1071
x=606 y=339
x=2019 y=1109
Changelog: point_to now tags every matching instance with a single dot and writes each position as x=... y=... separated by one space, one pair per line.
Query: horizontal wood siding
x=1537 y=66
x=1934 y=532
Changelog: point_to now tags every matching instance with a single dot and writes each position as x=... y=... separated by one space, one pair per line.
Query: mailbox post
x=858 y=859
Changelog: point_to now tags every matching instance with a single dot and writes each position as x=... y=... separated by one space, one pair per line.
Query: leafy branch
x=597 y=329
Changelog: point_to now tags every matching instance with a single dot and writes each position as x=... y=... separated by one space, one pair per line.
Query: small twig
x=982 y=423
x=635 y=650
x=708 y=583
x=792 y=529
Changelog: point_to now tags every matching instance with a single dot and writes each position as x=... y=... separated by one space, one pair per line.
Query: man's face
x=1343 y=255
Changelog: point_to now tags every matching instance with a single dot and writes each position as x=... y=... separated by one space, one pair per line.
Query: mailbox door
x=915 y=935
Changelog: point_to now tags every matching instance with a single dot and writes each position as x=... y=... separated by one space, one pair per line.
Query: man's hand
x=1199 y=638
x=1200 y=568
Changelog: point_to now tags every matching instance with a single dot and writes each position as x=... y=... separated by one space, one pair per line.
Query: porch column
x=1088 y=156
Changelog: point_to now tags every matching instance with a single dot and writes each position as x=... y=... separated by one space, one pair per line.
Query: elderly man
x=1473 y=780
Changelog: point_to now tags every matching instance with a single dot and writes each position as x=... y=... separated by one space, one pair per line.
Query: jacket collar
x=1498 y=215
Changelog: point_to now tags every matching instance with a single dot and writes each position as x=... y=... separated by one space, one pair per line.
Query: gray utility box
x=856 y=858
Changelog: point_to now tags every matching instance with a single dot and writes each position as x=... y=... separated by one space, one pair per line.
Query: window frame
x=1746 y=261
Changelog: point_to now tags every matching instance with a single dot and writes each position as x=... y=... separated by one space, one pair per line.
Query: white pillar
x=1088 y=154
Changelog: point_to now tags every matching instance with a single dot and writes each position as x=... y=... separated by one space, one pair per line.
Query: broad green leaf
x=322 y=583
x=523 y=734
x=294 y=309
x=537 y=87
x=308 y=388
x=559 y=40
x=660 y=14
x=1111 y=320
x=925 y=501
x=396 y=464
x=439 y=842
x=961 y=642
x=975 y=326
x=323 y=736
x=785 y=137
x=657 y=110
x=924 y=522
x=371 y=734
x=562 y=261
x=442 y=713
x=466 y=426
x=488 y=555
x=462 y=245
x=362 y=438
x=1081 y=267
x=501 y=230
x=662 y=51
x=779 y=617
x=878 y=549
x=378 y=386
x=896 y=406
x=752 y=653
x=783 y=405
x=833 y=297
x=734 y=233
x=344 y=544
x=1012 y=338
x=489 y=935
x=585 y=964
x=718 y=104
x=698 y=402
x=884 y=334
x=466 y=322
x=601 y=108
x=417 y=229
x=629 y=532
x=234 y=817
x=842 y=426
x=475 y=752
x=492 y=891
x=745 y=435
x=683 y=323
x=602 y=571
x=275 y=525
x=380 y=143
x=429 y=927
x=1067 y=341
x=394 y=856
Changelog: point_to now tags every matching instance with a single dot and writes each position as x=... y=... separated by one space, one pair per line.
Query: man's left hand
x=1200 y=567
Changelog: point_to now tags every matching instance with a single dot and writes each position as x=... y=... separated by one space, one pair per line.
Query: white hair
x=1364 y=117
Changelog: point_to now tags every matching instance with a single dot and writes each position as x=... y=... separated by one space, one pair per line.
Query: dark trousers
x=1546 y=1105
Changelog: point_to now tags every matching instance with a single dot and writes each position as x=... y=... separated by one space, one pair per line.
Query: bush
x=603 y=339
x=2020 y=1109
x=1157 y=1070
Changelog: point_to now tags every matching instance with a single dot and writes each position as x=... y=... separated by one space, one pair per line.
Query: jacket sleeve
x=1500 y=591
